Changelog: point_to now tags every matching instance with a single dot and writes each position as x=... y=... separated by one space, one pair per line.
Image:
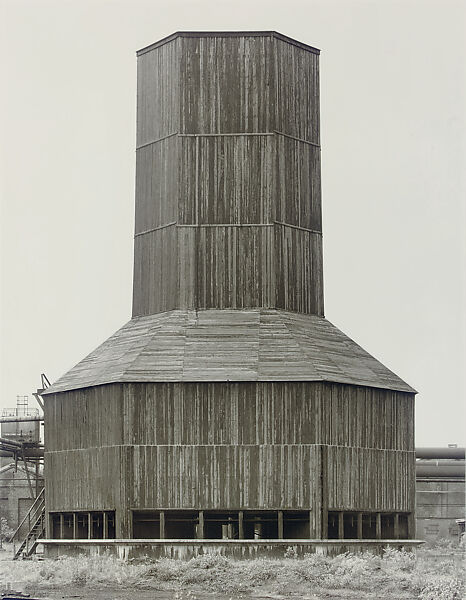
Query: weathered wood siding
x=229 y=477
x=227 y=84
x=257 y=445
x=227 y=266
x=242 y=152
x=157 y=185
x=363 y=478
x=158 y=94
x=231 y=414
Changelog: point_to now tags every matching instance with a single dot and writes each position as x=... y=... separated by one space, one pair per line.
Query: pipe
x=453 y=471
x=10 y=442
x=455 y=453
x=28 y=453
x=20 y=419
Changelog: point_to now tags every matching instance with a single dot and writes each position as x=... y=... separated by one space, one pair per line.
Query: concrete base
x=239 y=549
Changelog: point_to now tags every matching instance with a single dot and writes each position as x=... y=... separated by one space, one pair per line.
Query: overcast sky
x=393 y=128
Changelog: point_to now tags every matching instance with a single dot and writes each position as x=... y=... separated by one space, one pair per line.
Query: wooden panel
x=227 y=85
x=267 y=413
x=229 y=413
x=369 y=479
x=367 y=417
x=158 y=101
x=299 y=277
x=297 y=92
x=74 y=419
x=234 y=267
x=203 y=476
x=298 y=191
x=227 y=179
x=157 y=184
x=84 y=479
x=155 y=286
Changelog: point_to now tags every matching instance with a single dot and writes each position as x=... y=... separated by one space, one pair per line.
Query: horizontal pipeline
x=20 y=419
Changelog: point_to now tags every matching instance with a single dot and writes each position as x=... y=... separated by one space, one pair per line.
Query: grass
x=434 y=574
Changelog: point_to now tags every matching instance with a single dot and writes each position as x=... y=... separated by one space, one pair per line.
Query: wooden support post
x=49 y=522
x=396 y=526
x=200 y=527
x=378 y=526
x=240 y=525
x=411 y=526
x=341 y=526
x=75 y=526
x=62 y=526
x=280 y=524
x=162 y=525
x=323 y=509
x=359 y=526
x=105 y=526
x=89 y=526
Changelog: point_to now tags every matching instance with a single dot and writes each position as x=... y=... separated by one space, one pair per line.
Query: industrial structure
x=228 y=410
x=440 y=493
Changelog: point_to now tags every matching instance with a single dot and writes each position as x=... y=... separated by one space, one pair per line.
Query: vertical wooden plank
x=411 y=526
x=378 y=526
x=89 y=526
x=240 y=525
x=341 y=529
x=105 y=526
x=62 y=526
x=396 y=526
x=359 y=526
x=323 y=534
x=280 y=524
x=75 y=526
x=200 y=528
x=162 y=525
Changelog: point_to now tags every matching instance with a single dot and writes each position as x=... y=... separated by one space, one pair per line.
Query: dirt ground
x=274 y=586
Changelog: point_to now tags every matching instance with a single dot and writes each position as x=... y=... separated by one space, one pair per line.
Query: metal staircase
x=34 y=526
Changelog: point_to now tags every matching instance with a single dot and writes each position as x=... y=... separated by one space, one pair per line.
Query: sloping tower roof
x=229 y=345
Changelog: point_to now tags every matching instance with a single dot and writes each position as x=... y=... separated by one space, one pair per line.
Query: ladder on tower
x=34 y=524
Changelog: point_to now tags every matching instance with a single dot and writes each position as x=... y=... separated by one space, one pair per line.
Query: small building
x=19 y=482
x=440 y=493
x=228 y=410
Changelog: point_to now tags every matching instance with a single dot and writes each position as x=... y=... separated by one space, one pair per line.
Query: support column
x=378 y=526
x=411 y=526
x=359 y=526
x=62 y=526
x=89 y=526
x=396 y=526
x=341 y=526
x=318 y=516
x=75 y=526
x=200 y=527
x=162 y=525
x=105 y=526
x=240 y=525
x=280 y=524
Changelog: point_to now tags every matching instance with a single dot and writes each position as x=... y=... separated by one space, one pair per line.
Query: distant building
x=440 y=493
x=18 y=487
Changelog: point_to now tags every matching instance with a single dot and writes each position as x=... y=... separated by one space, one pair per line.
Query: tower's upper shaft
x=228 y=202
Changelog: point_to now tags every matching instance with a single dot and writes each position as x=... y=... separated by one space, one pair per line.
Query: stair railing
x=30 y=518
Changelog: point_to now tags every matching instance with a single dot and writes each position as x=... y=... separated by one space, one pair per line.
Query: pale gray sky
x=393 y=86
